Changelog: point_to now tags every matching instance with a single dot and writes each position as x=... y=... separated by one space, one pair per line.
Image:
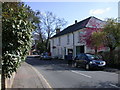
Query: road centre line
x=113 y=85
x=81 y=74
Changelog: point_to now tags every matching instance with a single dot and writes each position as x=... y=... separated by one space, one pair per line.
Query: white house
x=68 y=40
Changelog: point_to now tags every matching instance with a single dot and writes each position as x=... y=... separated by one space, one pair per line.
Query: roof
x=72 y=28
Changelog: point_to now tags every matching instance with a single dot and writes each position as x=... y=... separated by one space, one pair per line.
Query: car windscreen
x=92 y=57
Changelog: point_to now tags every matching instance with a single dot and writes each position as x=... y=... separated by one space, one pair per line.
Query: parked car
x=45 y=57
x=89 y=61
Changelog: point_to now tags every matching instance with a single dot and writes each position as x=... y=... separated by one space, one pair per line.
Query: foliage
x=17 y=24
x=112 y=40
x=92 y=37
x=112 y=30
x=41 y=47
x=113 y=61
x=97 y=40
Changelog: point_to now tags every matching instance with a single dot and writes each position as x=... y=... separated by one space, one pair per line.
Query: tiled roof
x=74 y=27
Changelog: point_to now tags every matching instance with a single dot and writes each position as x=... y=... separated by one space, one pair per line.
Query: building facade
x=70 y=40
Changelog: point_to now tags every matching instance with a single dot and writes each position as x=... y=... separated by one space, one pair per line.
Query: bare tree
x=38 y=30
x=49 y=23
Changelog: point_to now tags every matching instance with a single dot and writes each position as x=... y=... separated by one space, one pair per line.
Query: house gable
x=95 y=23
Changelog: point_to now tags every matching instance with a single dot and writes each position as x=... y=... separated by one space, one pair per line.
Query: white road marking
x=41 y=76
x=113 y=85
x=81 y=74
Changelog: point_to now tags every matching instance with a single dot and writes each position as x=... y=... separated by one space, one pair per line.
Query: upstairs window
x=68 y=39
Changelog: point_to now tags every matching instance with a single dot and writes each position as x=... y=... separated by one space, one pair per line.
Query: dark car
x=45 y=56
x=89 y=61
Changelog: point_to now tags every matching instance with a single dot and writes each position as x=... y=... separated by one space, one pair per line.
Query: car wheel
x=87 y=67
x=75 y=64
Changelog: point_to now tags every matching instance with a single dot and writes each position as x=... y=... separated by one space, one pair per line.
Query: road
x=59 y=75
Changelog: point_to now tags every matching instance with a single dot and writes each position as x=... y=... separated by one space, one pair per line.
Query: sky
x=72 y=11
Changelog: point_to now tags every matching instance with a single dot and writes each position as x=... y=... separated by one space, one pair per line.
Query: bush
x=16 y=35
x=112 y=60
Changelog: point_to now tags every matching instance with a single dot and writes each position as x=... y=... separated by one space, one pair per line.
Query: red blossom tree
x=92 y=38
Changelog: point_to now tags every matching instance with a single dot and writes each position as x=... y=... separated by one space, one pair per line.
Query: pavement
x=28 y=77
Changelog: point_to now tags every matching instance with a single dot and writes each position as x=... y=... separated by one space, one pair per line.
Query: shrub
x=16 y=35
x=112 y=60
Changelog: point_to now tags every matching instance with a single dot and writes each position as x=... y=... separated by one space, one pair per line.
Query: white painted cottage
x=68 y=40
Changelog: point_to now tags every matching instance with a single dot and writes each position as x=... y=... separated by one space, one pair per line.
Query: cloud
x=98 y=11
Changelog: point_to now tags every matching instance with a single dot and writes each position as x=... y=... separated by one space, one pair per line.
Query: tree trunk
x=47 y=44
x=95 y=50
x=3 y=80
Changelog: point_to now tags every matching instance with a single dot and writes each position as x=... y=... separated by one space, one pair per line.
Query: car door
x=77 y=59
x=83 y=60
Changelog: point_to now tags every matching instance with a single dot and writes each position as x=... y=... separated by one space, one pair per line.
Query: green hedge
x=113 y=60
x=16 y=35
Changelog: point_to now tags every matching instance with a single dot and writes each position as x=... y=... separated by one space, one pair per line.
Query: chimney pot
x=75 y=21
x=57 y=30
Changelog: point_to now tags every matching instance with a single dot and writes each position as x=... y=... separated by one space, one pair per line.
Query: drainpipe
x=73 y=46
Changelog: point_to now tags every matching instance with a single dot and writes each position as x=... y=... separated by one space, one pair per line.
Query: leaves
x=112 y=30
x=17 y=28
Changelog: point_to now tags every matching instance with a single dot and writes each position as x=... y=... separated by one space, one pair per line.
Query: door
x=79 y=49
x=82 y=49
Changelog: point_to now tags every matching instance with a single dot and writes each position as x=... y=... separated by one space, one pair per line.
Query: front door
x=80 y=49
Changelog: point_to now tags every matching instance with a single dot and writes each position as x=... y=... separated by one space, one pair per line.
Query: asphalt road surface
x=59 y=75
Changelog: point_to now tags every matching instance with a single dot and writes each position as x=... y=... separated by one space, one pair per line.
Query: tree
x=49 y=23
x=41 y=47
x=112 y=30
x=96 y=40
x=39 y=29
x=18 y=22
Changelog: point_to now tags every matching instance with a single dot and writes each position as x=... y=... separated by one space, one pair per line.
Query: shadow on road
x=51 y=65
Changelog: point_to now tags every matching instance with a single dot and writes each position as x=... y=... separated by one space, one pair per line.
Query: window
x=68 y=39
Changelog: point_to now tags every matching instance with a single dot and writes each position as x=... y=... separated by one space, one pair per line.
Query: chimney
x=57 y=30
x=75 y=21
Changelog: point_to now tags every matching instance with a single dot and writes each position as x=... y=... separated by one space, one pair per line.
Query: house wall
x=61 y=49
